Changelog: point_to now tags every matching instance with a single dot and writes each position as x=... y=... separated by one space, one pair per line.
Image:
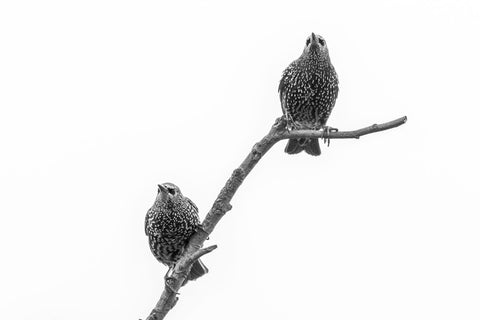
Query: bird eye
x=308 y=41
x=171 y=191
x=322 y=42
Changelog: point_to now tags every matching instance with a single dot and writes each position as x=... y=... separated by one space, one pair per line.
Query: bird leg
x=289 y=122
x=328 y=130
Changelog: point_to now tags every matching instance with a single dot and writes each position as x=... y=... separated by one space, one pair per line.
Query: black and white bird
x=308 y=91
x=169 y=224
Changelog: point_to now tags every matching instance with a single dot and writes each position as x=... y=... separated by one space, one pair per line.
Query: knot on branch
x=221 y=207
x=256 y=153
x=238 y=174
x=279 y=127
x=280 y=123
x=226 y=207
x=232 y=184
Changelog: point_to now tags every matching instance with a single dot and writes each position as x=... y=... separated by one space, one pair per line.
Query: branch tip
x=199 y=253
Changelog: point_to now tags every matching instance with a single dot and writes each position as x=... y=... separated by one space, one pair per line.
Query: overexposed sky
x=101 y=100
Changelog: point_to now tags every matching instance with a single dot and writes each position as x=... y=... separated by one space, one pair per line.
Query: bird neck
x=315 y=59
x=166 y=201
x=160 y=202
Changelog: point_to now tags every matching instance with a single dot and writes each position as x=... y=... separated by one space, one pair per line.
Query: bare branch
x=222 y=204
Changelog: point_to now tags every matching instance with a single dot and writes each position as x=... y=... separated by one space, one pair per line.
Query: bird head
x=167 y=191
x=315 y=47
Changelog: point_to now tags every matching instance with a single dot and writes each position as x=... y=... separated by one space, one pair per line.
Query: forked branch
x=221 y=205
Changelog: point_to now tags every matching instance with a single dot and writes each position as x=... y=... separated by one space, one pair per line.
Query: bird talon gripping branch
x=289 y=125
x=327 y=130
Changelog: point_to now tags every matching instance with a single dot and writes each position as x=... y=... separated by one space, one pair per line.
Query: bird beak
x=161 y=189
x=313 y=40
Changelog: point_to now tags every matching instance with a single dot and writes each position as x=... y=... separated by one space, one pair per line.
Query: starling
x=169 y=224
x=308 y=90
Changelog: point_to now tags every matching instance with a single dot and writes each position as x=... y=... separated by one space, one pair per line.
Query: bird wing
x=148 y=217
x=290 y=105
x=192 y=204
x=286 y=88
x=283 y=102
x=281 y=86
x=281 y=91
x=194 y=207
x=146 y=222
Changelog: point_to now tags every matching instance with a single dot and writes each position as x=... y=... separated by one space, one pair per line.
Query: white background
x=102 y=100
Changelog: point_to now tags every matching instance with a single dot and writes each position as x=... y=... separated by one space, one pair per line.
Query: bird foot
x=328 y=130
x=289 y=122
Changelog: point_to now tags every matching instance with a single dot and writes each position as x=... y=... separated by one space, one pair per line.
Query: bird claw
x=289 y=122
x=328 y=130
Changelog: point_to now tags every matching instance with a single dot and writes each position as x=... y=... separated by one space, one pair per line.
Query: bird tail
x=198 y=270
x=311 y=146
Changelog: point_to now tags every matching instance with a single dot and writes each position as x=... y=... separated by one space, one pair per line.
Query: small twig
x=197 y=255
x=221 y=205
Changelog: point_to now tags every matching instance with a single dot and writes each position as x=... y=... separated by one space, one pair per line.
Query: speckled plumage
x=169 y=224
x=308 y=91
